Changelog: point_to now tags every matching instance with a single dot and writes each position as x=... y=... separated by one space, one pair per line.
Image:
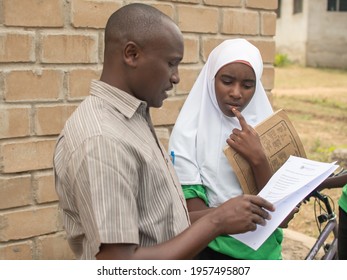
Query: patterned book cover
x=279 y=139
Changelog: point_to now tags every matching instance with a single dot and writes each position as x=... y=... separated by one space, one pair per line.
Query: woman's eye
x=248 y=85
x=227 y=81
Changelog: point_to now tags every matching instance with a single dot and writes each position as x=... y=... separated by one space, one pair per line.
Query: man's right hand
x=242 y=214
x=237 y=215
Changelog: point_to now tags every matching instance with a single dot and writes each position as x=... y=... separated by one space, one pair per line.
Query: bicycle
x=327 y=215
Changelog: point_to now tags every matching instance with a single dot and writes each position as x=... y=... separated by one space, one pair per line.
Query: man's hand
x=242 y=214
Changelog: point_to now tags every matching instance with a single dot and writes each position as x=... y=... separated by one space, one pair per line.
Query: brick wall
x=49 y=52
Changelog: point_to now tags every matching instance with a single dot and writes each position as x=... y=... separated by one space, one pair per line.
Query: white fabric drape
x=201 y=129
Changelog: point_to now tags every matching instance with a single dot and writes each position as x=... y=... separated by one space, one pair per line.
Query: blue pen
x=172 y=157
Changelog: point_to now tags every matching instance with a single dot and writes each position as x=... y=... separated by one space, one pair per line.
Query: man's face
x=157 y=70
x=234 y=86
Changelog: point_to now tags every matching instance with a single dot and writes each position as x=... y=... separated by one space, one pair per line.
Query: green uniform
x=227 y=245
x=343 y=199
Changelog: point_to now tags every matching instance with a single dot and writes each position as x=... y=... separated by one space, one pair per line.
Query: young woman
x=226 y=101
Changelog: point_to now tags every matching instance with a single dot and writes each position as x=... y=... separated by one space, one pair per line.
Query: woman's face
x=235 y=86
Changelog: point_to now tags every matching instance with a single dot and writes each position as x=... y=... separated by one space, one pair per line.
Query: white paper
x=296 y=179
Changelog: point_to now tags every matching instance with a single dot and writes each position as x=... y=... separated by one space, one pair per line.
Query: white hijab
x=201 y=129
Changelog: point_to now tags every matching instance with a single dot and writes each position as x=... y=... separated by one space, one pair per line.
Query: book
x=279 y=140
x=290 y=184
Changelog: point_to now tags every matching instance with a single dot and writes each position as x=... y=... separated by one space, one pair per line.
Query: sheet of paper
x=297 y=178
x=296 y=173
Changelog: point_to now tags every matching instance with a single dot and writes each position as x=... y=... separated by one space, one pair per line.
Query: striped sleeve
x=106 y=186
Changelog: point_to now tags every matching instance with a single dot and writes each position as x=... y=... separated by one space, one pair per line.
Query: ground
x=297 y=245
x=316 y=102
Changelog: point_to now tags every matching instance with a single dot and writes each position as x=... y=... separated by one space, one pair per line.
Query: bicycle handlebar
x=325 y=200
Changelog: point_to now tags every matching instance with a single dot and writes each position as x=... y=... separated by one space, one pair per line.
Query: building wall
x=316 y=37
x=291 y=32
x=327 y=37
x=49 y=52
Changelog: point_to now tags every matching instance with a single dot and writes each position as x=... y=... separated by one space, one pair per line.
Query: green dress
x=227 y=245
x=343 y=199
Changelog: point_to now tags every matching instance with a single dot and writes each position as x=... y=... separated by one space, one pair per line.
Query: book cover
x=279 y=140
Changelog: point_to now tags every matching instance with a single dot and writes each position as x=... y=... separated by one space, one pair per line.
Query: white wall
x=315 y=37
x=327 y=37
x=291 y=32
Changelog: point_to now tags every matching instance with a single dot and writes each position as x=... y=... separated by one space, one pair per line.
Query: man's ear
x=131 y=53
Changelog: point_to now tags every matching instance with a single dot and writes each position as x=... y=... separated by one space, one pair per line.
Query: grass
x=318 y=108
x=316 y=102
x=297 y=77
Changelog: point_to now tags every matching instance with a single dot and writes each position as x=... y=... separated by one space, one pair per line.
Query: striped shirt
x=115 y=182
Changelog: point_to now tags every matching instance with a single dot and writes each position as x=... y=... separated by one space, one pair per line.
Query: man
x=117 y=188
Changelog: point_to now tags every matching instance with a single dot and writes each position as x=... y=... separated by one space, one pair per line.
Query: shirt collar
x=121 y=100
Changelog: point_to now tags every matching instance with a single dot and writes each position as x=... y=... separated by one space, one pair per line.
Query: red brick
x=163 y=135
x=268 y=78
x=23 y=224
x=17 y=251
x=54 y=247
x=44 y=187
x=262 y=4
x=167 y=9
x=224 y=3
x=197 y=19
x=15 y=121
x=208 y=44
x=15 y=191
x=69 y=48
x=92 y=13
x=266 y=48
x=268 y=24
x=17 y=47
x=185 y=1
x=167 y=114
x=79 y=82
x=50 y=120
x=240 y=22
x=33 y=85
x=33 y=154
x=191 y=50
x=188 y=76
x=47 y=13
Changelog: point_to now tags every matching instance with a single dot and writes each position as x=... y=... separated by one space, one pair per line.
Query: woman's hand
x=246 y=141
x=290 y=216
